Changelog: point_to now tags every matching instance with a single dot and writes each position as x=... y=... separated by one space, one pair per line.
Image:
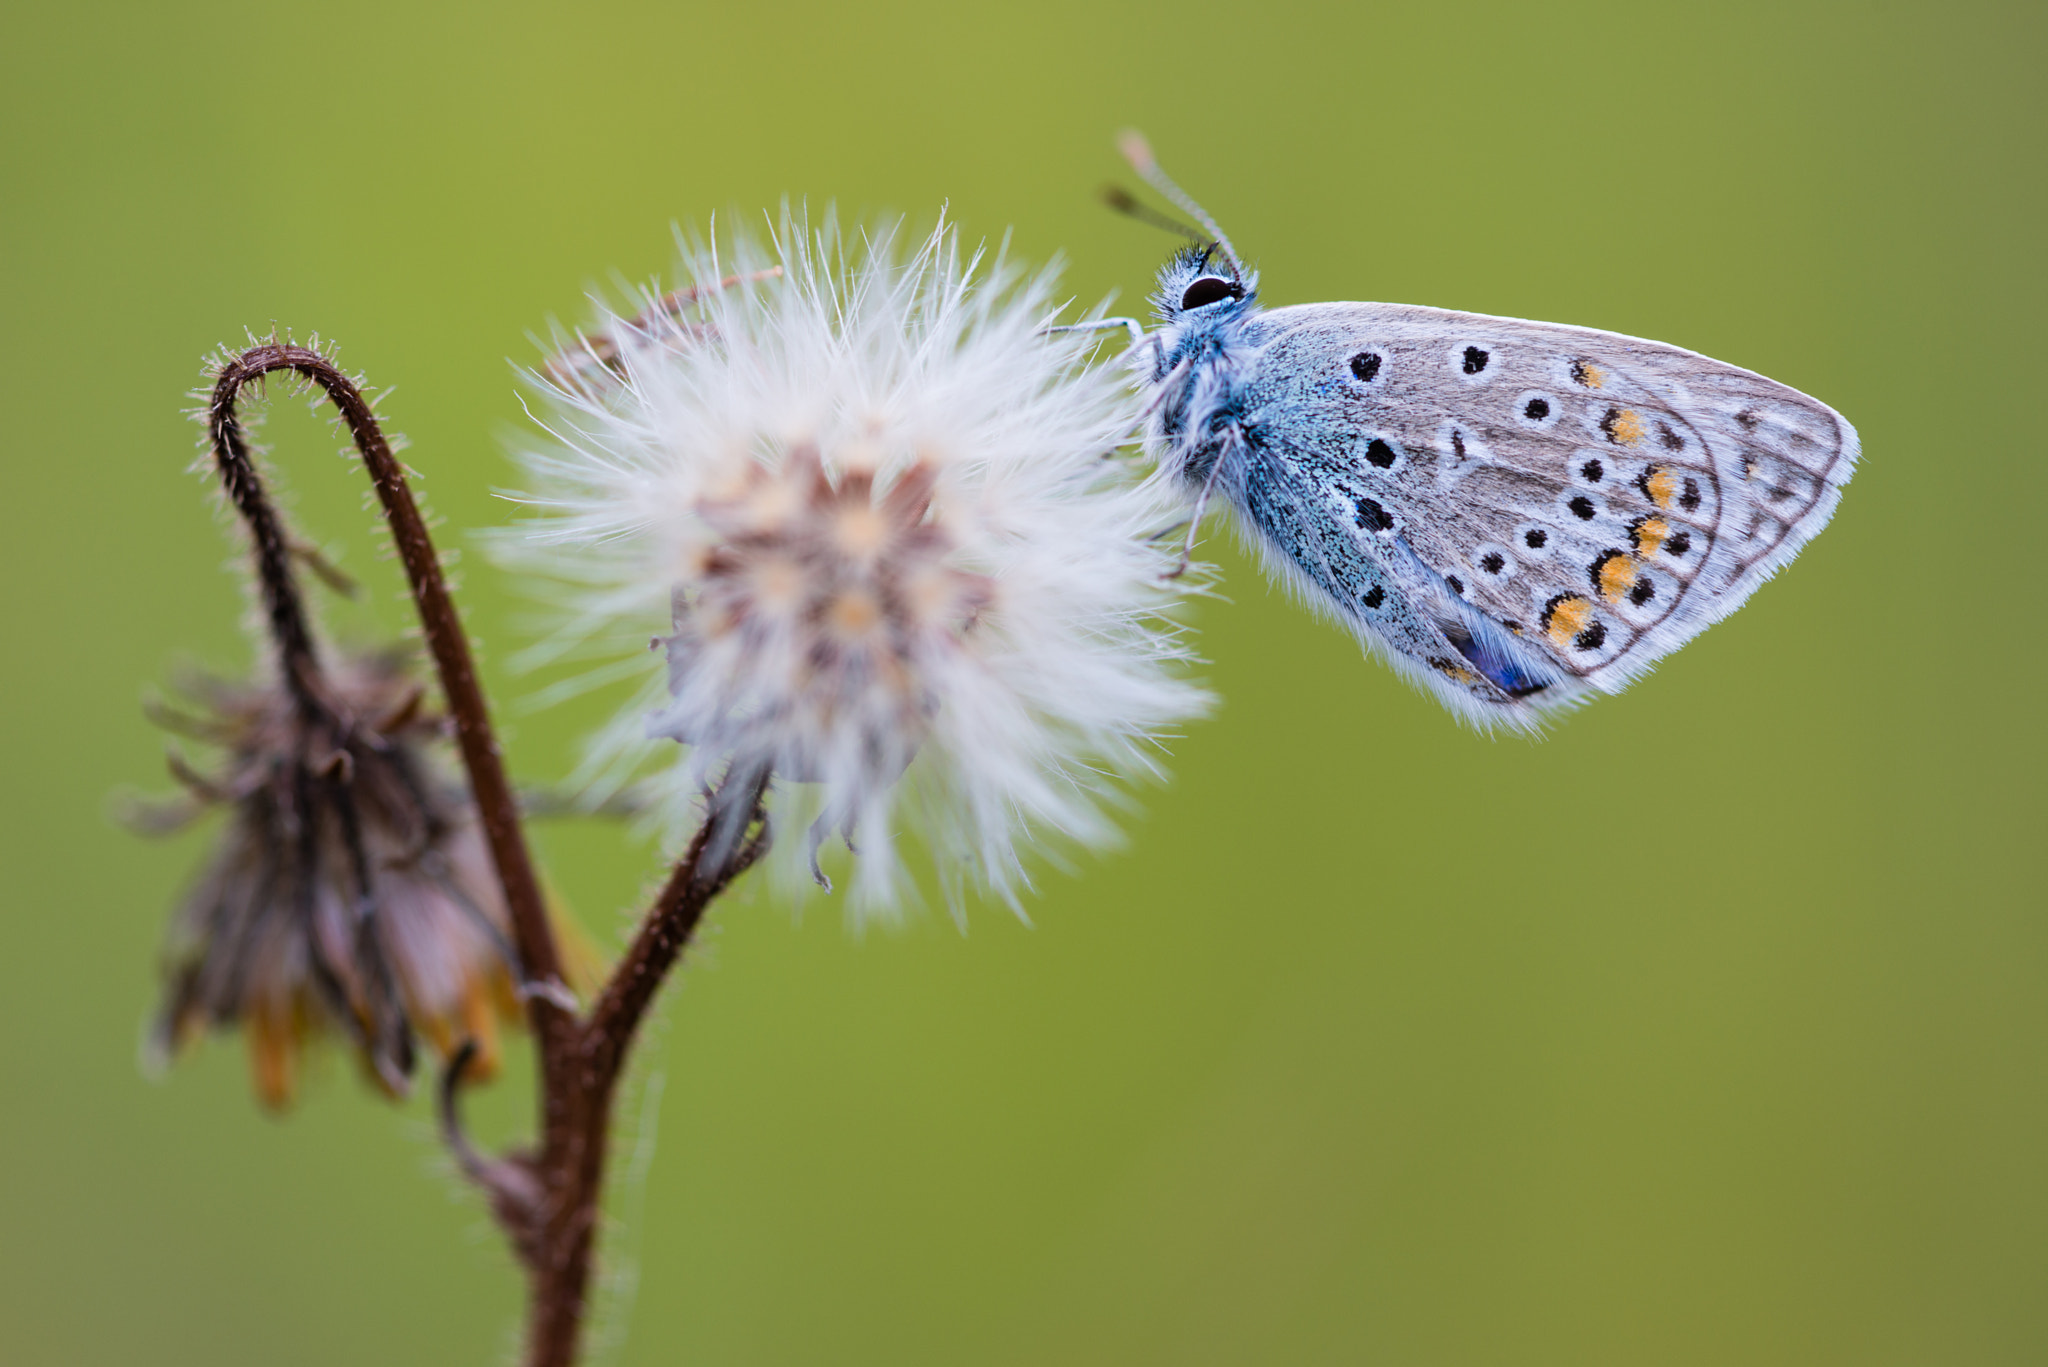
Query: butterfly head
x=1198 y=285
x=1203 y=283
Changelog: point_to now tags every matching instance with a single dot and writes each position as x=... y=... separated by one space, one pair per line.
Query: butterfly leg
x=1132 y=325
x=1187 y=550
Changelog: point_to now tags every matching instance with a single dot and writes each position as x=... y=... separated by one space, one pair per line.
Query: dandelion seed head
x=867 y=509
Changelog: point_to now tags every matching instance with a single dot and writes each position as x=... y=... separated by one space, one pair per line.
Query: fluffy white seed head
x=870 y=512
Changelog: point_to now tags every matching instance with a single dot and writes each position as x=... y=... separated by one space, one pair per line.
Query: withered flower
x=351 y=892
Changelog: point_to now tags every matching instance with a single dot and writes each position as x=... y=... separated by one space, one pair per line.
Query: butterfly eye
x=1208 y=290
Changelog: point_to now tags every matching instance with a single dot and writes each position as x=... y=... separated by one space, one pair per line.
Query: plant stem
x=547 y=1203
x=540 y=960
x=297 y=662
x=573 y=1173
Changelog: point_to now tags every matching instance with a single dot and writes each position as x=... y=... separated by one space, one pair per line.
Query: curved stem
x=547 y=1202
x=387 y=1043
x=297 y=661
x=539 y=957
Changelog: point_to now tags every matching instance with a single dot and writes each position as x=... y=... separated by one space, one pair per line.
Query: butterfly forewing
x=1600 y=499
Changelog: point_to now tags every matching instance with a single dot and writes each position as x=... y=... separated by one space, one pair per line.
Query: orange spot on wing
x=1456 y=673
x=1617 y=576
x=1565 y=618
x=1651 y=533
x=1661 y=485
x=1627 y=428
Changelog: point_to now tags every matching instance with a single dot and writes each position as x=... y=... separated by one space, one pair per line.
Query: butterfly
x=1515 y=516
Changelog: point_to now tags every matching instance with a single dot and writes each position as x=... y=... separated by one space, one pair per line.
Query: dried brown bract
x=351 y=892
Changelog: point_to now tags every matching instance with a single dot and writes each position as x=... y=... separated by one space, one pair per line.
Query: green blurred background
x=1711 y=1030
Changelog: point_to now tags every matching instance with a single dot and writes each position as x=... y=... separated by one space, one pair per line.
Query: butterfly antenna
x=1124 y=202
x=1138 y=153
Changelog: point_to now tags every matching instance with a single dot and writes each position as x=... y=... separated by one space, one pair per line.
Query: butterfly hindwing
x=1564 y=504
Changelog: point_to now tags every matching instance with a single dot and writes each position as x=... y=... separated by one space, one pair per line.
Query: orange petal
x=273 y=1058
x=480 y=1021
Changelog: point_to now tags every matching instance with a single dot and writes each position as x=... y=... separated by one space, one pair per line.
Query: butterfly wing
x=1555 y=508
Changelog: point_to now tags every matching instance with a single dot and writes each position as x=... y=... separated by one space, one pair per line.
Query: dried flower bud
x=351 y=891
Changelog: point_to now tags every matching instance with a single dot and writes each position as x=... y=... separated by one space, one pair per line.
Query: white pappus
x=864 y=502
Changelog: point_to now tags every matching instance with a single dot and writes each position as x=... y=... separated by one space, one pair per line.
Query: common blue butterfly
x=1516 y=516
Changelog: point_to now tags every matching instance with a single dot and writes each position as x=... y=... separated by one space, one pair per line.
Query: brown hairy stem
x=546 y=1202
x=284 y=610
x=574 y=1174
x=540 y=960
x=602 y=352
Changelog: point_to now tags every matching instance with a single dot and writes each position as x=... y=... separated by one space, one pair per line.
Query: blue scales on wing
x=1514 y=515
x=1559 y=507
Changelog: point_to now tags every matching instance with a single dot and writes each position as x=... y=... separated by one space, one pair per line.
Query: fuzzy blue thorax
x=1200 y=356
